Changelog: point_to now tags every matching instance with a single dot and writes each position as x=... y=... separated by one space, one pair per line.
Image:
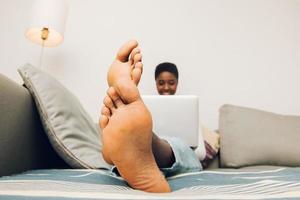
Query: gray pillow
x=70 y=129
x=253 y=137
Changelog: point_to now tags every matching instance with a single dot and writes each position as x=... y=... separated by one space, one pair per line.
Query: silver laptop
x=176 y=116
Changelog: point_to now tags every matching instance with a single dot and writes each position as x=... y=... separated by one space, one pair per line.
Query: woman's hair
x=166 y=67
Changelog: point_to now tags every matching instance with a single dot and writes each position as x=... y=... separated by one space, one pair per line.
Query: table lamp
x=47 y=24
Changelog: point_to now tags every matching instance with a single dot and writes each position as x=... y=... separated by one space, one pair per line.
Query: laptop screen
x=175 y=116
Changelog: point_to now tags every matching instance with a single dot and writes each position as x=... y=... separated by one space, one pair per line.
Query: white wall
x=243 y=52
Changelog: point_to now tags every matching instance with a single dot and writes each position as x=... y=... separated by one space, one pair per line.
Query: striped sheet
x=281 y=183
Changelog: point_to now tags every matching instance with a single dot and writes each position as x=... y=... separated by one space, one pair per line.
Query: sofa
x=251 y=164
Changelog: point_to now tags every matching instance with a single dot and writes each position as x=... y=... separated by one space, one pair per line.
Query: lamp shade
x=50 y=15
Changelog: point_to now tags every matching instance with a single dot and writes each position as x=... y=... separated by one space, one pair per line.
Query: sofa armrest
x=24 y=145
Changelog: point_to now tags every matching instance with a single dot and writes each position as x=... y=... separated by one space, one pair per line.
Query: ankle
x=162 y=152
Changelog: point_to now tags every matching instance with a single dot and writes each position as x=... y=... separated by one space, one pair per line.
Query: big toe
x=127 y=90
x=112 y=93
x=124 y=52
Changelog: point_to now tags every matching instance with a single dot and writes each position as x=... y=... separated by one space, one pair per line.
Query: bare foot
x=127 y=126
x=126 y=68
x=127 y=139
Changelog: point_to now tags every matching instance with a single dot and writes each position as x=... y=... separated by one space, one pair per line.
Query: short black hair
x=166 y=67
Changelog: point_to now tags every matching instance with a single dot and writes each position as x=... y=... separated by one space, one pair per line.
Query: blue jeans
x=185 y=159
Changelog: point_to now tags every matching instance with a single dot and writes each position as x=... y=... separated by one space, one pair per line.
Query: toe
x=127 y=91
x=137 y=58
x=107 y=101
x=135 y=51
x=136 y=73
x=103 y=121
x=105 y=111
x=125 y=50
x=112 y=93
x=139 y=65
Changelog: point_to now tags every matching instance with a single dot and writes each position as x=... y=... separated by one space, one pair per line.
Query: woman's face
x=166 y=83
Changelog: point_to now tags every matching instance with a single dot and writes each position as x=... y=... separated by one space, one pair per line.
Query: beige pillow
x=253 y=137
x=69 y=127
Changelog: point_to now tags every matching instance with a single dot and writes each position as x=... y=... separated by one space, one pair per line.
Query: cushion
x=254 y=137
x=69 y=127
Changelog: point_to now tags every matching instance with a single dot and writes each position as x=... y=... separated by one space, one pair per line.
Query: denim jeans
x=185 y=159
